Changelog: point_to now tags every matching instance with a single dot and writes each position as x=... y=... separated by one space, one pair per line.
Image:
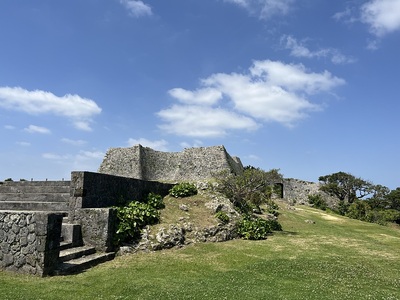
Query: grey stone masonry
x=96 y=190
x=29 y=241
x=34 y=195
x=189 y=165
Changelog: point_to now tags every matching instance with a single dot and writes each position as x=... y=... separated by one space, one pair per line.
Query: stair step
x=34 y=189
x=82 y=263
x=65 y=244
x=76 y=252
x=34 y=206
x=35 y=197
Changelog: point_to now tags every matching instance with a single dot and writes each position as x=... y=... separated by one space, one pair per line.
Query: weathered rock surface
x=189 y=165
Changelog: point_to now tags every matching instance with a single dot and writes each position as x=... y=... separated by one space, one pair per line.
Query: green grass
x=335 y=258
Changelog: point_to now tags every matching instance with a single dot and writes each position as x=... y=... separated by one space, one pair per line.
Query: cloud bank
x=271 y=91
x=79 y=110
x=382 y=16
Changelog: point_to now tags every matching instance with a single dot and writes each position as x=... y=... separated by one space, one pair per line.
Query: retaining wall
x=96 y=190
x=29 y=241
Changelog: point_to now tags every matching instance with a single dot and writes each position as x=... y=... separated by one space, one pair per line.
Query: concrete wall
x=96 y=190
x=29 y=241
x=189 y=165
x=98 y=227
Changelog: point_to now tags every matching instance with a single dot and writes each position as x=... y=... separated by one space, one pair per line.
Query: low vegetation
x=359 y=198
x=248 y=192
x=334 y=258
x=133 y=217
x=183 y=189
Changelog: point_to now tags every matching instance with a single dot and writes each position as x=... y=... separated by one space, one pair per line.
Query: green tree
x=360 y=210
x=393 y=199
x=379 y=199
x=250 y=189
x=345 y=186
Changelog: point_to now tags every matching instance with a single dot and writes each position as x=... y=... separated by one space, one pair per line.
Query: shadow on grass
x=287 y=233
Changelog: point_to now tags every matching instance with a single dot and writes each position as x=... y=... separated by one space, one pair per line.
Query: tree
x=252 y=188
x=360 y=210
x=393 y=199
x=379 y=199
x=345 y=186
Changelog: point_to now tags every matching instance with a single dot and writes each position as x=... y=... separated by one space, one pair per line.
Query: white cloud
x=160 y=145
x=9 y=127
x=382 y=16
x=275 y=7
x=202 y=121
x=79 y=110
x=137 y=8
x=73 y=142
x=37 y=129
x=298 y=49
x=243 y=3
x=265 y=9
x=293 y=77
x=347 y=15
x=271 y=92
x=206 y=96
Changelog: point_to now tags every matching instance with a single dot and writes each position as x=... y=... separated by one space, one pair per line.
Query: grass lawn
x=335 y=258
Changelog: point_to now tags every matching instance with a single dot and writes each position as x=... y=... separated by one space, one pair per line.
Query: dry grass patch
x=196 y=212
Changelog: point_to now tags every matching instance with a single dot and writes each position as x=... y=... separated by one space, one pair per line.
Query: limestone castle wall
x=189 y=165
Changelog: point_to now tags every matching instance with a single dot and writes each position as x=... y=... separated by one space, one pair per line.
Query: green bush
x=275 y=225
x=183 y=189
x=223 y=217
x=248 y=190
x=254 y=228
x=133 y=217
x=155 y=201
x=317 y=201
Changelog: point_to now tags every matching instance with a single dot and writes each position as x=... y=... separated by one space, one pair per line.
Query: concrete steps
x=35 y=195
x=78 y=259
x=74 y=256
x=34 y=206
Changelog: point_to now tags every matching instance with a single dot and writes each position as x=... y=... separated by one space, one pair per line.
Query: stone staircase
x=53 y=196
x=74 y=255
x=35 y=195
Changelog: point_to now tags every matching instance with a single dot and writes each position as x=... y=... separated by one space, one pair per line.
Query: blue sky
x=310 y=87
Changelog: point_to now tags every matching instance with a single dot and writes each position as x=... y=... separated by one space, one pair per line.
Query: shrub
x=317 y=201
x=275 y=225
x=155 y=201
x=8 y=179
x=133 y=217
x=250 y=189
x=183 y=189
x=223 y=217
x=254 y=228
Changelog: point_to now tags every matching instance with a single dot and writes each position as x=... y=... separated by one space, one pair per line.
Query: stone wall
x=189 y=165
x=96 y=190
x=29 y=241
x=98 y=226
x=296 y=190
